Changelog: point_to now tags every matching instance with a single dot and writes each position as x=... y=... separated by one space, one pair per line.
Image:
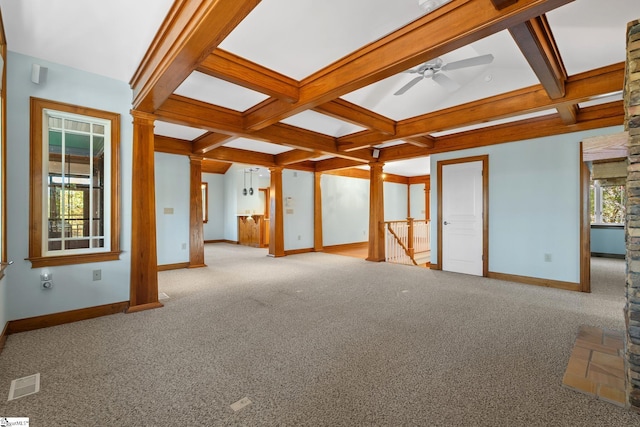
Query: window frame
x=37 y=253
x=598 y=206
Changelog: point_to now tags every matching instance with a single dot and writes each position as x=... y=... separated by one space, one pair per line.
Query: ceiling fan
x=432 y=70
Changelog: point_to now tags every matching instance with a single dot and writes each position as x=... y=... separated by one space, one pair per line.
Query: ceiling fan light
x=431 y=5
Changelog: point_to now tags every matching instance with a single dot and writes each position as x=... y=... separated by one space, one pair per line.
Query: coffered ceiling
x=310 y=84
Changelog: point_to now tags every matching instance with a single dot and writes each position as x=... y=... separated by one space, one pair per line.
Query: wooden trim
x=423 y=179
x=298 y=251
x=144 y=259
x=237 y=155
x=485 y=207
x=355 y=114
x=276 y=212
x=346 y=246
x=212 y=166
x=37 y=106
x=209 y=141
x=5 y=333
x=143 y=307
x=55 y=319
x=605 y=255
x=232 y=242
x=3 y=147
x=556 y=284
x=52 y=261
x=585 y=226
x=177 y=266
x=317 y=212
x=435 y=267
x=196 y=227
x=376 y=214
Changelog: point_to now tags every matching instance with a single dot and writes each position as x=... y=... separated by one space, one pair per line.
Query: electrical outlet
x=184 y=246
x=299 y=237
x=97 y=275
x=547 y=258
x=46 y=280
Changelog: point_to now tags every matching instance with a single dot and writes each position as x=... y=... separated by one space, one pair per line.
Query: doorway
x=463 y=223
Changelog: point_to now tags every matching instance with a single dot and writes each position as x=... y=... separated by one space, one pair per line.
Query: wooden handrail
x=406 y=251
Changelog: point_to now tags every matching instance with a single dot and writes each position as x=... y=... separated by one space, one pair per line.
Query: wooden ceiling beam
x=165 y=144
x=209 y=141
x=611 y=114
x=213 y=166
x=428 y=37
x=568 y=113
x=422 y=141
x=357 y=115
x=335 y=164
x=537 y=44
x=234 y=69
x=189 y=33
x=190 y=112
x=501 y=4
x=235 y=155
x=295 y=156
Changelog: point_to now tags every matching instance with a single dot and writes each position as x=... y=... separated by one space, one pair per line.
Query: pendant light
x=251 y=185
x=244 y=190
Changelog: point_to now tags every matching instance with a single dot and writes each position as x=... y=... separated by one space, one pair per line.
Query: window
x=205 y=201
x=74 y=184
x=607 y=203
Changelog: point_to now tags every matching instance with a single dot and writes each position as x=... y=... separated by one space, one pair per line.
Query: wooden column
x=144 y=259
x=376 y=213
x=196 y=233
x=318 y=245
x=276 y=223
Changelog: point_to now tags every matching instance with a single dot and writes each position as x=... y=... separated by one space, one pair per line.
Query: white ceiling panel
x=508 y=71
x=411 y=167
x=322 y=123
x=219 y=92
x=584 y=48
x=177 y=131
x=617 y=96
x=298 y=37
x=105 y=38
x=259 y=146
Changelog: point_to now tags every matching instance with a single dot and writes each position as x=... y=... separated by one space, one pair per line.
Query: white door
x=462 y=232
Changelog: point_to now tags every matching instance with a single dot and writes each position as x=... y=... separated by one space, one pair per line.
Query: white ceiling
x=298 y=37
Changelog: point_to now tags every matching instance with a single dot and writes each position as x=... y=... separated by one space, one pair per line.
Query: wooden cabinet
x=251 y=231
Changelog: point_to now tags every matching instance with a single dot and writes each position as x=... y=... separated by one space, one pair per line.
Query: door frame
x=485 y=208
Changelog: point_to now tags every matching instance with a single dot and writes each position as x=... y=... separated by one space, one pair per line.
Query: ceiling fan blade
x=408 y=86
x=469 y=62
x=446 y=82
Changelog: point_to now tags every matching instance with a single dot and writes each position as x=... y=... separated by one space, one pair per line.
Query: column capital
x=143 y=116
x=276 y=168
x=376 y=165
x=194 y=158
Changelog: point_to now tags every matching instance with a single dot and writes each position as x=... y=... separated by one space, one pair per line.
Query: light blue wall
x=297 y=190
x=231 y=202
x=417 y=201
x=172 y=174
x=4 y=314
x=395 y=201
x=214 y=228
x=534 y=197
x=345 y=210
x=73 y=285
x=608 y=241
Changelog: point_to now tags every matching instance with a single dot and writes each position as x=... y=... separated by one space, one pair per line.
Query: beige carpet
x=320 y=340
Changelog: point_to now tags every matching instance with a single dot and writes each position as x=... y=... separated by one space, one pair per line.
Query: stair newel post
x=410 y=248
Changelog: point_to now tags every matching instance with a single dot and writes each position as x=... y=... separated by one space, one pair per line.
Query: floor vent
x=162 y=295
x=24 y=386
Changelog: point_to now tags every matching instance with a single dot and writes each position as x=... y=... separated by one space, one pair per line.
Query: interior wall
x=172 y=175
x=608 y=240
x=416 y=192
x=297 y=190
x=74 y=287
x=395 y=201
x=231 y=202
x=214 y=228
x=534 y=205
x=345 y=210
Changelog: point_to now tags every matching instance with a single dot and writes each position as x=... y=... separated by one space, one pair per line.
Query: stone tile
x=607 y=360
x=612 y=395
x=577 y=367
x=605 y=379
x=605 y=370
x=600 y=348
x=580 y=384
x=617 y=343
x=590 y=334
x=581 y=353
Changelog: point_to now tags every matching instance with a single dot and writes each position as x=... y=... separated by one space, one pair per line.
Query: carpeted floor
x=321 y=340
